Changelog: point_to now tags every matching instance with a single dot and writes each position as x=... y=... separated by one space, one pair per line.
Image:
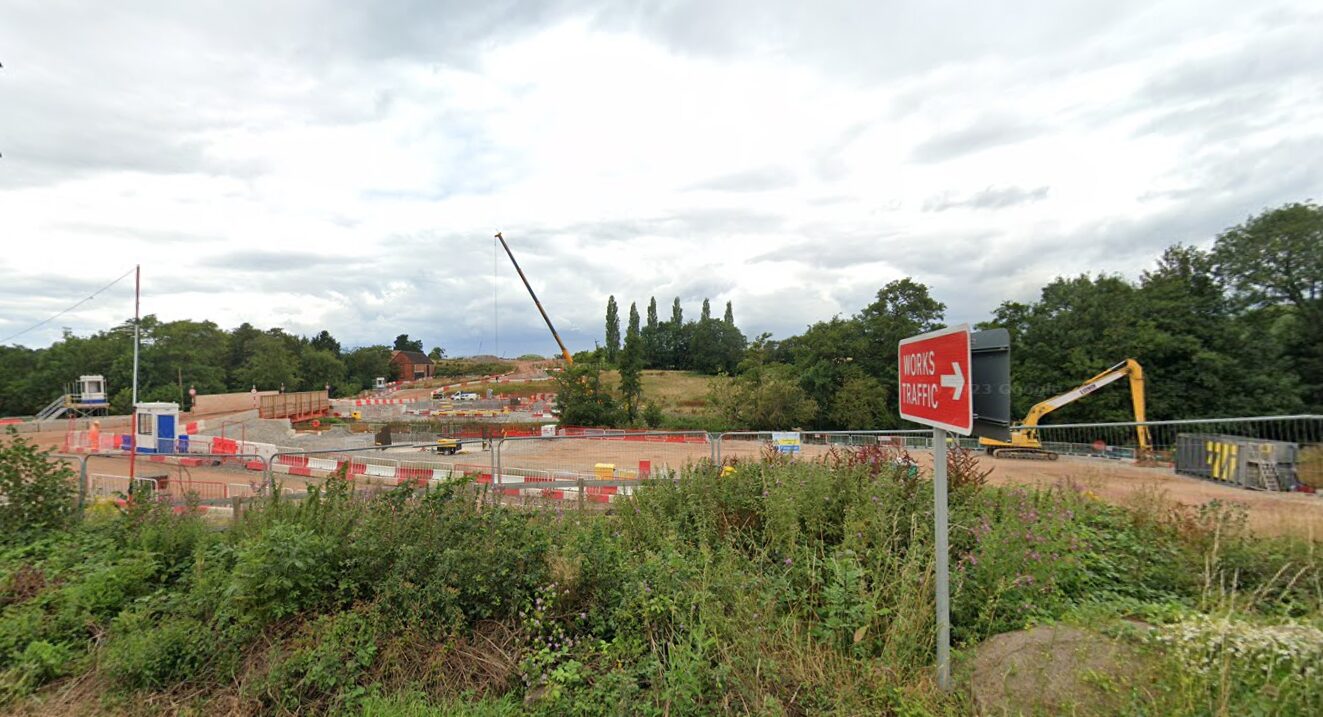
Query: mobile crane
x=1024 y=441
x=569 y=360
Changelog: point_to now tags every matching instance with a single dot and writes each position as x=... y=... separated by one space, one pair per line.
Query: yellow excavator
x=1024 y=441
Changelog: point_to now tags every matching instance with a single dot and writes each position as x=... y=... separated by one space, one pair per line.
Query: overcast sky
x=344 y=165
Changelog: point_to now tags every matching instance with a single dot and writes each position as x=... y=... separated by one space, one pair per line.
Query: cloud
x=985 y=133
x=754 y=180
x=989 y=198
x=344 y=166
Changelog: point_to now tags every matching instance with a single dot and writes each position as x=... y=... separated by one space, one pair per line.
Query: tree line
x=1233 y=330
x=178 y=355
x=707 y=345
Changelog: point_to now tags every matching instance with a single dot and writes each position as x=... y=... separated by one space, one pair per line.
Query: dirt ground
x=1113 y=481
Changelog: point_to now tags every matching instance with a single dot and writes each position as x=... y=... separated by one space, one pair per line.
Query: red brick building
x=411 y=365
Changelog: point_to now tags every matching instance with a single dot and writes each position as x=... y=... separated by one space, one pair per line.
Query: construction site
x=503 y=431
x=405 y=436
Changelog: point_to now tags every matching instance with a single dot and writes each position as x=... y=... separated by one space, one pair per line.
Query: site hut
x=87 y=397
x=92 y=390
x=155 y=426
x=412 y=365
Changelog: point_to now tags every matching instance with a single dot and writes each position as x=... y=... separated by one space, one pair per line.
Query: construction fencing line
x=110 y=480
x=380 y=468
x=583 y=464
x=900 y=438
x=1237 y=450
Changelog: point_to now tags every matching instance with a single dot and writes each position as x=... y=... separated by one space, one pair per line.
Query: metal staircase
x=1266 y=462
x=55 y=409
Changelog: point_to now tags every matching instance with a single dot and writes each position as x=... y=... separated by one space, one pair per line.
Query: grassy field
x=678 y=393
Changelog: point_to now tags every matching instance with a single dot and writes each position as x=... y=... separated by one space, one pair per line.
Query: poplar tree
x=631 y=367
x=612 y=329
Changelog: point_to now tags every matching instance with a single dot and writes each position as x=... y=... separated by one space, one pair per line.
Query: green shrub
x=329 y=671
x=155 y=528
x=40 y=495
x=149 y=652
x=39 y=663
x=107 y=589
x=285 y=569
x=19 y=626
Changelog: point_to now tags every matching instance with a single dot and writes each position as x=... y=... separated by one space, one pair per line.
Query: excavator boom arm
x=1128 y=368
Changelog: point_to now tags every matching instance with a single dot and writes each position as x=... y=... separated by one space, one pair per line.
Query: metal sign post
x=959 y=381
x=940 y=524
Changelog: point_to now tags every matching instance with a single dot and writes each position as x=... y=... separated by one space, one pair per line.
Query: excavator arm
x=1026 y=438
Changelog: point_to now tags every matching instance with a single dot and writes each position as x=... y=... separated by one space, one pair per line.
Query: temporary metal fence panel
x=210 y=484
x=379 y=466
x=592 y=464
x=1121 y=439
x=751 y=445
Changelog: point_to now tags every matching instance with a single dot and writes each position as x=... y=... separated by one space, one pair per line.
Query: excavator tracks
x=1025 y=454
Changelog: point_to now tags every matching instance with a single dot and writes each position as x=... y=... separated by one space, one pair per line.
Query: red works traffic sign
x=934 y=380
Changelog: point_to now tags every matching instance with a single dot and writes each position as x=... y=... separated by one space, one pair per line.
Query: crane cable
x=39 y=324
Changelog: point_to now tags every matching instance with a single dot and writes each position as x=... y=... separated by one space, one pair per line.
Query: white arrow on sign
x=955 y=380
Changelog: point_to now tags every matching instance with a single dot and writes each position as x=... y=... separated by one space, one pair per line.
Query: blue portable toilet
x=155 y=427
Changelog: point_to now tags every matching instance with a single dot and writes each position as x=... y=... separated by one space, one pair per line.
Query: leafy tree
x=437 y=354
x=903 y=308
x=612 y=329
x=715 y=346
x=652 y=415
x=674 y=338
x=365 y=364
x=858 y=404
x=706 y=314
x=729 y=318
x=402 y=343
x=270 y=365
x=631 y=367
x=1194 y=358
x=321 y=368
x=39 y=494
x=191 y=350
x=324 y=341
x=763 y=399
x=582 y=399
x=241 y=341
x=1273 y=263
x=1275 y=257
